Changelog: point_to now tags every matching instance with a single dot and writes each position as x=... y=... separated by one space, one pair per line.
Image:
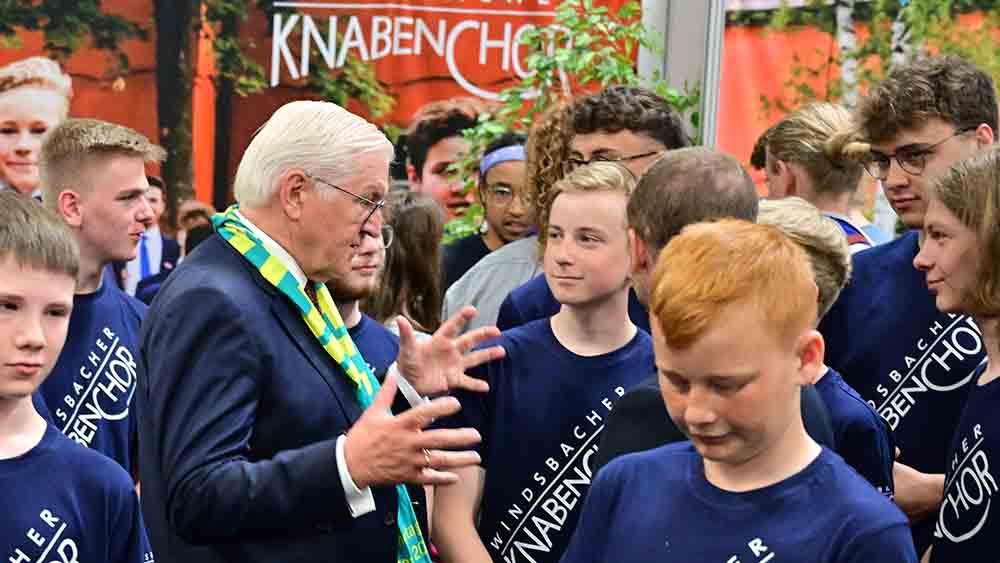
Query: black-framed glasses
x=371 y=206
x=573 y=163
x=912 y=160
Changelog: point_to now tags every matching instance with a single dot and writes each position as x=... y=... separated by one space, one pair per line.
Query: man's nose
x=895 y=176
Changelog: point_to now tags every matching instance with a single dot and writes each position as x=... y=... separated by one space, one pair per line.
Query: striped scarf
x=327 y=326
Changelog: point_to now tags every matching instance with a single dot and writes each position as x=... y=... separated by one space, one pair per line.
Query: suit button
x=390 y=518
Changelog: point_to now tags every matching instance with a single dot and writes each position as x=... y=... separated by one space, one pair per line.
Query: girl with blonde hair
x=34 y=98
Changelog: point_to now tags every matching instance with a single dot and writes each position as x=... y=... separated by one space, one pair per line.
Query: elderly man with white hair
x=264 y=435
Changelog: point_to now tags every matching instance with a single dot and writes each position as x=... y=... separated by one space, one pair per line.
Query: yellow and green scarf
x=328 y=328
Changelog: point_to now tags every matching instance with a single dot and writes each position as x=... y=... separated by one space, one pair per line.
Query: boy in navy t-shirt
x=95 y=179
x=685 y=186
x=549 y=396
x=907 y=359
x=732 y=311
x=958 y=259
x=628 y=125
x=62 y=502
x=861 y=437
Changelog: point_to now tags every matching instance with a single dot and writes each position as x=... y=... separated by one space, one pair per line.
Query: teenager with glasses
x=549 y=395
x=622 y=124
x=907 y=359
x=506 y=216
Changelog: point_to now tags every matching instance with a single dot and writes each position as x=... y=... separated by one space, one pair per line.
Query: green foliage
x=66 y=25
x=355 y=80
x=586 y=47
x=931 y=27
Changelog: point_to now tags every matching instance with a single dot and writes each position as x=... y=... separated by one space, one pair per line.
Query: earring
x=484 y=227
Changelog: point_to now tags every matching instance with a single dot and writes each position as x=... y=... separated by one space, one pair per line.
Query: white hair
x=320 y=137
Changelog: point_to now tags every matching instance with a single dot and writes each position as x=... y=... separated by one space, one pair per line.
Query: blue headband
x=506 y=154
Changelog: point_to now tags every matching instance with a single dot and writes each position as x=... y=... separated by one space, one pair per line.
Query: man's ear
x=640 y=256
x=69 y=204
x=985 y=135
x=810 y=350
x=293 y=190
x=788 y=178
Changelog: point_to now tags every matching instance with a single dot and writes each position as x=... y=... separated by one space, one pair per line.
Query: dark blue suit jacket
x=239 y=408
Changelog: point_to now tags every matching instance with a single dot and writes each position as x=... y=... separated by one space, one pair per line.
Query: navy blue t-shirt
x=377 y=345
x=40 y=407
x=967 y=527
x=534 y=300
x=63 y=502
x=911 y=362
x=90 y=388
x=860 y=436
x=657 y=506
x=541 y=423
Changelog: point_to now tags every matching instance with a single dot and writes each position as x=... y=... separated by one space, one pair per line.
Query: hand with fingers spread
x=438 y=365
x=383 y=449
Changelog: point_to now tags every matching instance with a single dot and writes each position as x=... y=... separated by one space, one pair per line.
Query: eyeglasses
x=912 y=160
x=500 y=196
x=371 y=206
x=388 y=235
x=574 y=163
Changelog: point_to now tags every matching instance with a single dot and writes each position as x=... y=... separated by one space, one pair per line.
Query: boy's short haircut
x=35 y=237
x=821 y=238
x=439 y=120
x=75 y=143
x=710 y=266
x=687 y=186
x=594 y=177
x=631 y=108
x=801 y=138
x=945 y=87
x=969 y=190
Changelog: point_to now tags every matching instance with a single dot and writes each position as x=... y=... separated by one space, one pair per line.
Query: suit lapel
x=331 y=373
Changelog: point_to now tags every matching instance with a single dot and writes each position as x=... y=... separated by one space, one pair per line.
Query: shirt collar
x=275 y=250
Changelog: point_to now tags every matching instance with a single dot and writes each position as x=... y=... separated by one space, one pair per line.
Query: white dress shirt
x=154 y=247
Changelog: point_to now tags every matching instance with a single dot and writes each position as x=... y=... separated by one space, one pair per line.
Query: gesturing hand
x=382 y=449
x=438 y=365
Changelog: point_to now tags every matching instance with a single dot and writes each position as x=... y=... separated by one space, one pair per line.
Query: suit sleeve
x=206 y=375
